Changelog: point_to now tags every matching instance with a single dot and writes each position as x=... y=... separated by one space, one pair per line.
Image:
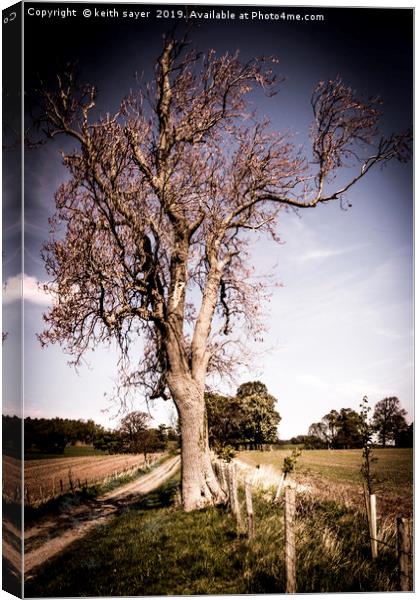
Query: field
x=335 y=475
x=48 y=478
x=69 y=452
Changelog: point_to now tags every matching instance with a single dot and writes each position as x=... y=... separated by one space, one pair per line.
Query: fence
x=69 y=481
x=228 y=478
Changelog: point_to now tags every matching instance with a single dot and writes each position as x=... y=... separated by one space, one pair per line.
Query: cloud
x=32 y=290
x=322 y=253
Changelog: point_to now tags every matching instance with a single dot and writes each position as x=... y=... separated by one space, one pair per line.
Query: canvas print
x=207 y=299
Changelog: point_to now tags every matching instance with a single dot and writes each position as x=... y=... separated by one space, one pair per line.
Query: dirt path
x=54 y=533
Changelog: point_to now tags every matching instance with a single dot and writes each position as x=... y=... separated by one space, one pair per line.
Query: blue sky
x=341 y=324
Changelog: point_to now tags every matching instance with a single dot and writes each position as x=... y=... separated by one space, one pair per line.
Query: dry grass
x=334 y=475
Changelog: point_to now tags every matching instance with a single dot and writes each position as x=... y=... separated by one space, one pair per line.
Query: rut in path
x=54 y=533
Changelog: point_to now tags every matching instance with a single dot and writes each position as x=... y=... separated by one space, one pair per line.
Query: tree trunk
x=200 y=486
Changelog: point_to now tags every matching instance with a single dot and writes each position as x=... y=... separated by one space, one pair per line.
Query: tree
x=223 y=419
x=161 y=203
x=108 y=441
x=349 y=429
x=405 y=438
x=338 y=429
x=259 y=418
x=327 y=429
x=389 y=419
x=248 y=418
x=133 y=428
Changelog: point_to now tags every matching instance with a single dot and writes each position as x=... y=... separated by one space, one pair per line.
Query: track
x=53 y=534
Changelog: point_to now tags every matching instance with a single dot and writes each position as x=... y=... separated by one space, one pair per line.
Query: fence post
x=290 y=549
x=224 y=477
x=405 y=565
x=249 y=509
x=373 y=527
x=233 y=493
x=280 y=487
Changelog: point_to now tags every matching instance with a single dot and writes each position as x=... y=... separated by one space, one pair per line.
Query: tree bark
x=200 y=487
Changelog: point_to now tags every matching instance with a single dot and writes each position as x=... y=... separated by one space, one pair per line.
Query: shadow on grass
x=150 y=548
x=154 y=548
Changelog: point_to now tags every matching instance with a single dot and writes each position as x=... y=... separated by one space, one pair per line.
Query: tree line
x=344 y=429
x=52 y=436
x=135 y=436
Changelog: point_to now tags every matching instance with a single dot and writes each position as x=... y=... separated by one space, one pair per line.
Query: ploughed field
x=48 y=478
x=335 y=475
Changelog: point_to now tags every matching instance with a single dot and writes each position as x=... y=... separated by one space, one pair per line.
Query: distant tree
x=336 y=430
x=108 y=441
x=404 y=438
x=12 y=435
x=389 y=419
x=260 y=419
x=320 y=432
x=150 y=441
x=132 y=431
x=327 y=429
x=313 y=442
x=349 y=429
x=248 y=418
x=223 y=419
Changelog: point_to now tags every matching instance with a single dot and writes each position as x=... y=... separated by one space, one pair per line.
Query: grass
x=394 y=466
x=69 y=452
x=156 y=549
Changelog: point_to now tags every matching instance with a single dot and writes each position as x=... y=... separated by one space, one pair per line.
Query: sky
x=340 y=326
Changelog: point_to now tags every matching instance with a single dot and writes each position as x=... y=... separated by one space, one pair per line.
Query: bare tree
x=162 y=202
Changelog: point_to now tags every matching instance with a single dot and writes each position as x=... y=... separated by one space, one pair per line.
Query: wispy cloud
x=322 y=253
x=23 y=285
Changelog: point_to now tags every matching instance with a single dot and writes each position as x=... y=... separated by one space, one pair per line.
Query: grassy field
x=157 y=549
x=69 y=452
x=393 y=466
x=334 y=475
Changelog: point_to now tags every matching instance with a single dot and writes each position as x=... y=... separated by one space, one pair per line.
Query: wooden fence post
x=373 y=526
x=405 y=565
x=233 y=493
x=218 y=471
x=225 y=477
x=280 y=487
x=249 y=509
x=290 y=549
